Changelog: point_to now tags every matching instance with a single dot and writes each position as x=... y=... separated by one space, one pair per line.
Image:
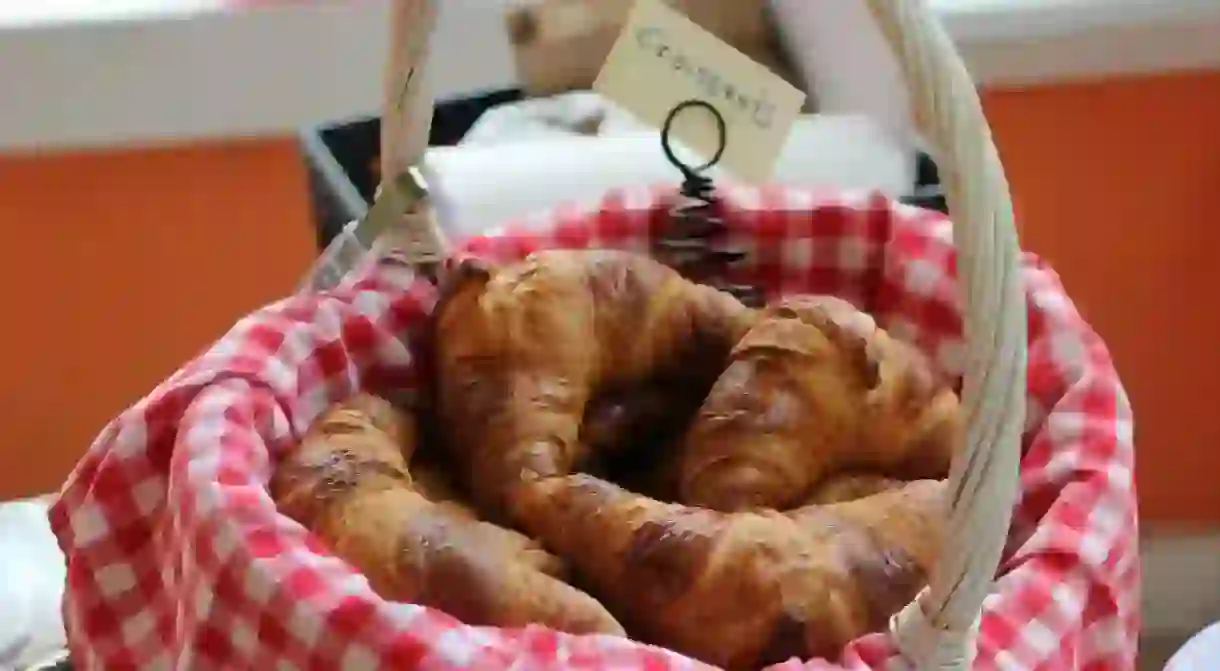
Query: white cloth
x=32 y=576
x=523 y=158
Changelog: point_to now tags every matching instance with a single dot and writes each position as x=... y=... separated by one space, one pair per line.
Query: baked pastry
x=747 y=589
x=348 y=482
x=520 y=352
x=851 y=486
x=813 y=389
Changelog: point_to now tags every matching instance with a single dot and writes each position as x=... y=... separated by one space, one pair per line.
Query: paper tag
x=663 y=58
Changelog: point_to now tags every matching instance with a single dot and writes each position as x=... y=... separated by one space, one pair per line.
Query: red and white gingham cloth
x=177 y=557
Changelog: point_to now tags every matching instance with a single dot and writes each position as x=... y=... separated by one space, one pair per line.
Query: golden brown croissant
x=742 y=590
x=815 y=388
x=851 y=486
x=435 y=485
x=520 y=352
x=348 y=482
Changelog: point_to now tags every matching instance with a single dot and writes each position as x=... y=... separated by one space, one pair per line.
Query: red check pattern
x=177 y=557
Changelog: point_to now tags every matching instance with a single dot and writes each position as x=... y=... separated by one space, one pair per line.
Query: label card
x=663 y=58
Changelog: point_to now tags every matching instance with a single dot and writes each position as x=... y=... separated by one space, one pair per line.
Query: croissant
x=520 y=351
x=852 y=486
x=747 y=589
x=348 y=482
x=814 y=388
x=436 y=486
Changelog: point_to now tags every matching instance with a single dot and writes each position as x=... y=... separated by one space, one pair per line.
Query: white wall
x=136 y=75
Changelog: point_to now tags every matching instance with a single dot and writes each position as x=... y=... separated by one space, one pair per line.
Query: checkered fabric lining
x=177 y=557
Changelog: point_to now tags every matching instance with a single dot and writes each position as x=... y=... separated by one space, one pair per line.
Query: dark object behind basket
x=340 y=157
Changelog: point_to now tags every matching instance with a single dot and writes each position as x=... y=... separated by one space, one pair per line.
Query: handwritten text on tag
x=662 y=59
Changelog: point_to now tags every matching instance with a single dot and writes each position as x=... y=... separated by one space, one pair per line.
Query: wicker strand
x=937 y=630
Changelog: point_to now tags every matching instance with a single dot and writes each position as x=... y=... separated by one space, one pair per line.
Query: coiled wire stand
x=691 y=242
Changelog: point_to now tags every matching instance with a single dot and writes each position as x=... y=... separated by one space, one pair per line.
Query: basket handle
x=937 y=630
x=406 y=119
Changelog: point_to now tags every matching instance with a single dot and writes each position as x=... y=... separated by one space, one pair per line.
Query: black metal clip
x=696 y=224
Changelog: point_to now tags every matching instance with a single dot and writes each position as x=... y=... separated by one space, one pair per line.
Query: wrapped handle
x=404 y=222
x=400 y=224
x=406 y=105
x=937 y=630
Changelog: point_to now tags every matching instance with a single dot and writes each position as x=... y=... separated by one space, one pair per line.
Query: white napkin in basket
x=481 y=185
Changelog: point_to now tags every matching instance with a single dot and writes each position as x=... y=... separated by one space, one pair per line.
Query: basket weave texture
x=178 y=558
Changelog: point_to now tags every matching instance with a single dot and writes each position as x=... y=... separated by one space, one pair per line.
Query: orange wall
x=147 y=256
x=1116 y=183
x=119 y=267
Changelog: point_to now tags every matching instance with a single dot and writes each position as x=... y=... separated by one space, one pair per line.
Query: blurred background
x=169 y=165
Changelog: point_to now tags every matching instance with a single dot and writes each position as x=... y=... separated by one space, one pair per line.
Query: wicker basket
x=938 y=628
x=177 y=557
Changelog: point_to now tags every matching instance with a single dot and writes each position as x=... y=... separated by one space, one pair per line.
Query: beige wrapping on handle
x=401 y=219
x=400 y=225
x=937 y=631
x=406 y=104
